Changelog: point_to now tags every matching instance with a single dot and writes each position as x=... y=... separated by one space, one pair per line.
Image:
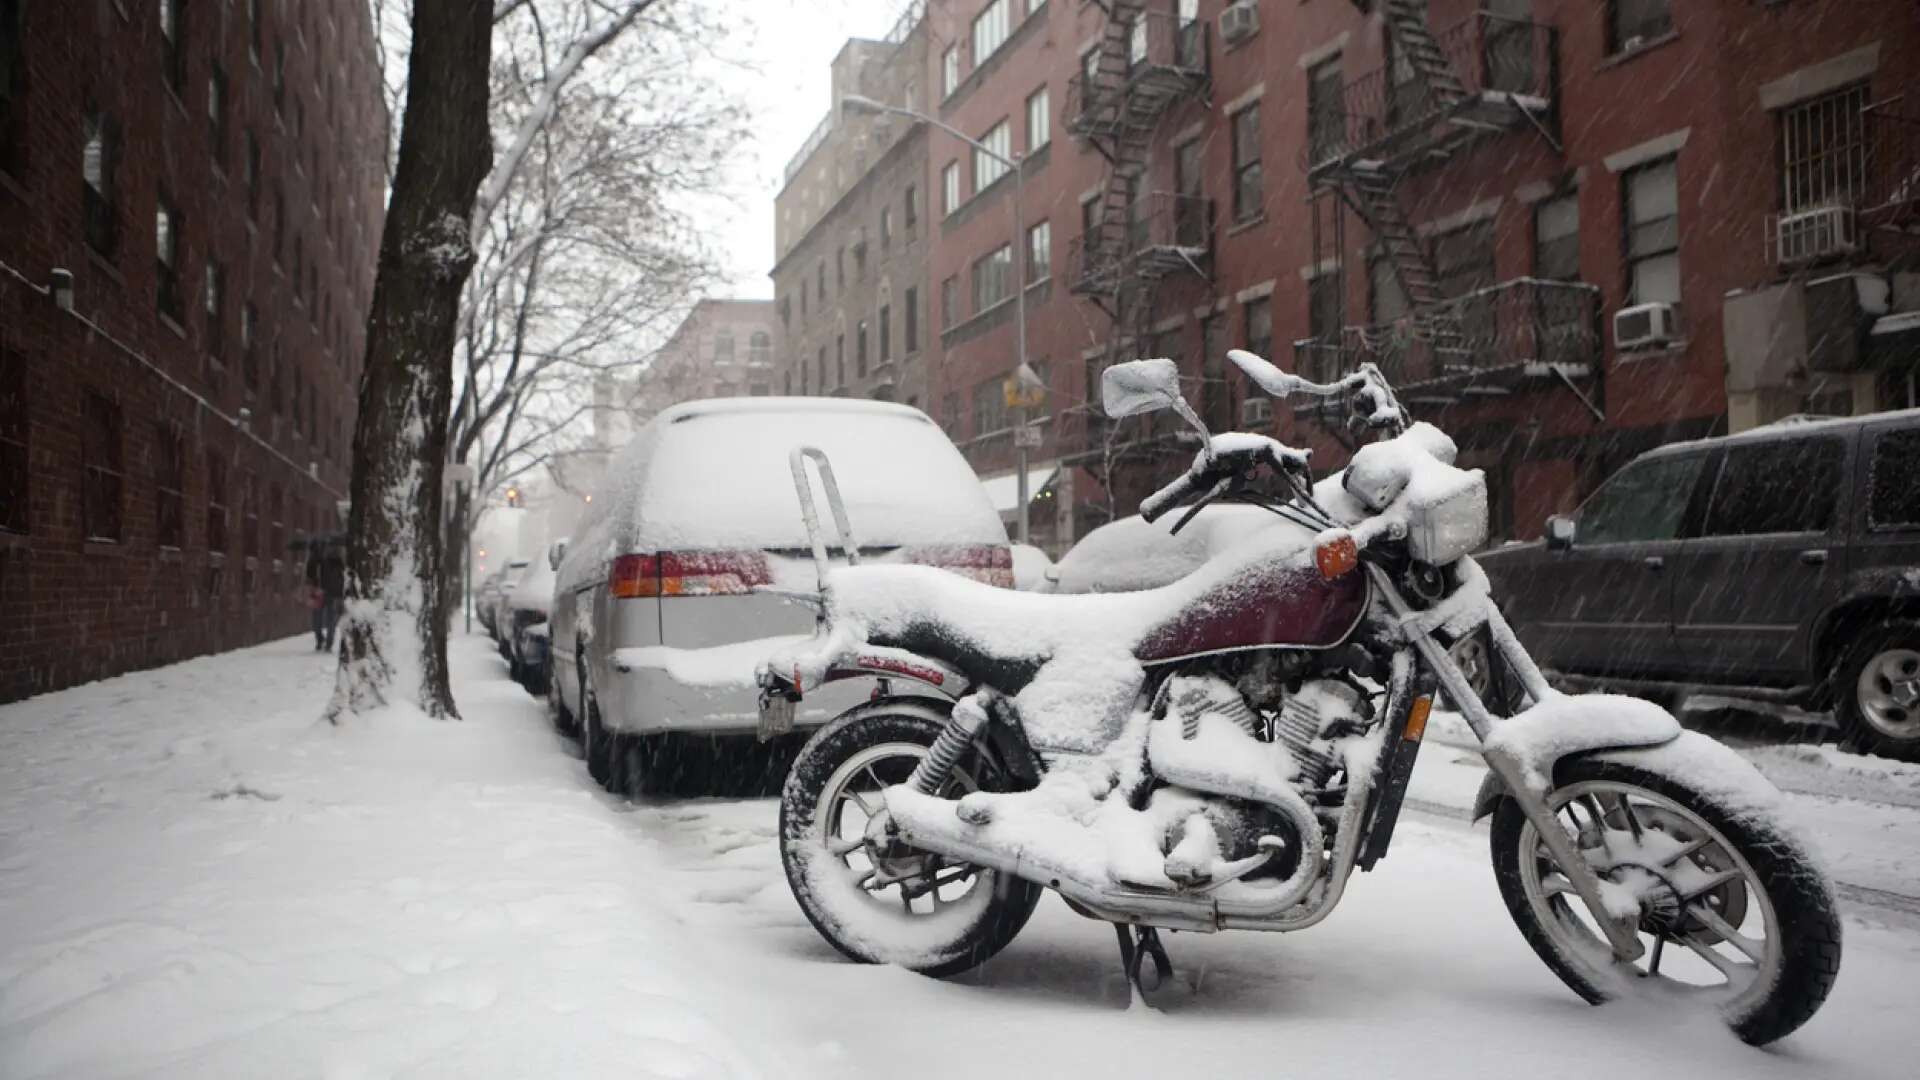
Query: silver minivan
x=671 y=591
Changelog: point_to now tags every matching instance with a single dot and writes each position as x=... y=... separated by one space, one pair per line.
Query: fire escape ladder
x=1378 y=204
x=1413 y=41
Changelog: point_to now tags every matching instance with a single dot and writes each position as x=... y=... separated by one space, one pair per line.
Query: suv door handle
x=1654 y=562
x=1814 y=557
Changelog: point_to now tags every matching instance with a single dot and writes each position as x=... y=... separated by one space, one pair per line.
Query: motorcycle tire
x=1803 y=949
x=864 y=925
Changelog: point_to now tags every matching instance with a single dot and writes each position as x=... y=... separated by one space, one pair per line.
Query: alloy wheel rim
x=892 y=874
x=1888 y=691
x=1706 y=920
x=1470 y=654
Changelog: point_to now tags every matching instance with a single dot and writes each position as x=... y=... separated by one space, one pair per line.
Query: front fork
x=1625 y=942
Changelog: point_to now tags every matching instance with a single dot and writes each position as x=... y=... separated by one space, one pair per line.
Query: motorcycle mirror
x=556 y=554
x=1269 y=378
x=1140 y=386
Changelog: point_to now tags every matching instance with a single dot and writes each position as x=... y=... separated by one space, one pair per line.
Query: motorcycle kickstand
x=1135 y=949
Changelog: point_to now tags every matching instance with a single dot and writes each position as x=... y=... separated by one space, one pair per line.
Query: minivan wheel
x=598 y=745
x=563 y=718
x=1878 y=691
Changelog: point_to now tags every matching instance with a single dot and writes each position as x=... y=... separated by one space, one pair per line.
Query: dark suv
x=1781 y=563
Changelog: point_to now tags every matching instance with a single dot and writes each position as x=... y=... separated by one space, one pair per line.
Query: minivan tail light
x=688 y=573
x=990 y=563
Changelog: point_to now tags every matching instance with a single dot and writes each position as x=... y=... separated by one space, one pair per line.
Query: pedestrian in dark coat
x=327 y=588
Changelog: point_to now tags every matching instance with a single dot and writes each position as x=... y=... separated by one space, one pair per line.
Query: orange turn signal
x=1336 y=556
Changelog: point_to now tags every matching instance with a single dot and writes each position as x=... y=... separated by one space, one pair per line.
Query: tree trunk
x=395 y=543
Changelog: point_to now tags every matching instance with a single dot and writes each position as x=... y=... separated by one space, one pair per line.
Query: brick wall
x=298 y=244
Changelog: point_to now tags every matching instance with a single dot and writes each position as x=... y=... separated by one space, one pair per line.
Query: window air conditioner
x=1814 y=234
x=1240 y=21
x=1643 y=325
x=1256 y=412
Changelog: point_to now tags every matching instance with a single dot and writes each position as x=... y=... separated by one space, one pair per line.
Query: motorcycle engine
x=1308 y=721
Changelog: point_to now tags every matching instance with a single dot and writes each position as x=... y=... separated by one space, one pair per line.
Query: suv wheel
x=1878 y=687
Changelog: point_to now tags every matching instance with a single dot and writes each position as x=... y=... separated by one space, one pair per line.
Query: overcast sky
x=787 y=46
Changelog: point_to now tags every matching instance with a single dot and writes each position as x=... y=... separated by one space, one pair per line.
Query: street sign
x=1024 y=389
x=1025 y=437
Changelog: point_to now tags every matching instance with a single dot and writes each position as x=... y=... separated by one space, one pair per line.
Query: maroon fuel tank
x=1274 y=604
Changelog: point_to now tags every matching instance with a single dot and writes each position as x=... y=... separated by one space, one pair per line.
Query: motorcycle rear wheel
x=1726 y=894
x=879 y=902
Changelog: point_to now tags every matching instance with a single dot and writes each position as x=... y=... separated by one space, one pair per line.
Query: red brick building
x=211 y=175
x=1467 y=193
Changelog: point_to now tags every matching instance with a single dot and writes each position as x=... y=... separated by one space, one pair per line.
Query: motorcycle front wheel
x=1731 y=912
x=875 y=899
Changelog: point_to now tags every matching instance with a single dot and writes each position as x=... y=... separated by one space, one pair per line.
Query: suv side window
x=1893 y=481
x=1780 y=486
x=1644 y=501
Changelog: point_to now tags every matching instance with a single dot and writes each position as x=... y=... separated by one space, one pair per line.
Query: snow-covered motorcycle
x=1221 y=753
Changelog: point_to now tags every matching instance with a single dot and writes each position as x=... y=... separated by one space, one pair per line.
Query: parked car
x=1030 y=568
x=525 y=627
x=484 y=596
x=663 y=606
x=1781 y=563
x=496 y=601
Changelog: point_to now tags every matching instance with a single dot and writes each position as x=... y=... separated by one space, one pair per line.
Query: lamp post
x=855 y=103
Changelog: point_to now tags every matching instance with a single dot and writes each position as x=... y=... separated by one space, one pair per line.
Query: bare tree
x=399 y=444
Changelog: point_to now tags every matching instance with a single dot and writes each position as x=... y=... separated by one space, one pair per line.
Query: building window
x=886 y=227
x=99 y=162
x=1260 y=326
x=1464 y=259
x=760 y=348
x=276 y=534
x=1631 y=22
x=13 y=83
x=279 y=224
x=950 y=186
x=1040 y=252
x=992 y=278
x=860 y=350
x=1653 y=233
x=1248 y=190
x=166 y=246
x=840 y=270
x=250 y=515
x=215 y=307
x=723 y=349
x=1039 y=121
x=990 y=407
x=169 y=481
x=1326 y=130
x=991 y=164
x=174 y=52
x=216 y=502
x=253 y=31
x=1385 y=294
x=217 y=114
x=839 y=361
x=249 y=338
x=990 y=29
x=911 y=331
x=1556 y=239
x=253 y=177
x=911 y=204
x=100 y=450
x=279 y=77
x=821 y=379
x=949 y=303
x=14 y=485
x=886 y=334
x=950 y=69
x=1823 y=145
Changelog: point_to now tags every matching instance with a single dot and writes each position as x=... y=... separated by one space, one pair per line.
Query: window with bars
x=1652 y=213
x=1248 y=187
x=166 y=246
x=15 y=485
x=1326 y=127
x=1823 y=145
x=105 y=475
x=1632 y=22
x=169 y=483
x=990 y=407
x=216 y=502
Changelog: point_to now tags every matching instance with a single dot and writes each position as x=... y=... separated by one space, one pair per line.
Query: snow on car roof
x=1791 y=427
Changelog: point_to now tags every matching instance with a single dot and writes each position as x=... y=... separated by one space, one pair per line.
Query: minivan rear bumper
x=709 y=691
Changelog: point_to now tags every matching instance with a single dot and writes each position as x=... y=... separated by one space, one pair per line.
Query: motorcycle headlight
x=1447 y=516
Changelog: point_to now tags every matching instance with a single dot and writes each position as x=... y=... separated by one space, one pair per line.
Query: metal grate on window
x=1823 y=145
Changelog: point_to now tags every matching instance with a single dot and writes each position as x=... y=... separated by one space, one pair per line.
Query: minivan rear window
x=1777 y=486
x=1893 y=481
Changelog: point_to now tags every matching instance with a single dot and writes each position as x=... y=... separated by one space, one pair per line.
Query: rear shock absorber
x=969 y=715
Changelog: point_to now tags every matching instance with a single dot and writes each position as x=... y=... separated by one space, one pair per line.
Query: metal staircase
x=1436 y=93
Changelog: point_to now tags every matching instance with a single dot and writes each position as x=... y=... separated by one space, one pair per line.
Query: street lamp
x=857 y=104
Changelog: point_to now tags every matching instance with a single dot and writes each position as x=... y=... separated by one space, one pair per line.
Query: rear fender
x=884 y=662
x=1003 y=738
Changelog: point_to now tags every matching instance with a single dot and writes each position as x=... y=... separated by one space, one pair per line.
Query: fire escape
x=1146 y=63
x=1438 y=92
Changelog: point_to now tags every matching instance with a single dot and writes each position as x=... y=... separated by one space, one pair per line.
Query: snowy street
x=199 y=880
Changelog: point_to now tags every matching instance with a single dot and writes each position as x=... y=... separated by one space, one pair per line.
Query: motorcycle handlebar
x=1157 y=504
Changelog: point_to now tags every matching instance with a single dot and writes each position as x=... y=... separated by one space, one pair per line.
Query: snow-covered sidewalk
x=198 y=880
